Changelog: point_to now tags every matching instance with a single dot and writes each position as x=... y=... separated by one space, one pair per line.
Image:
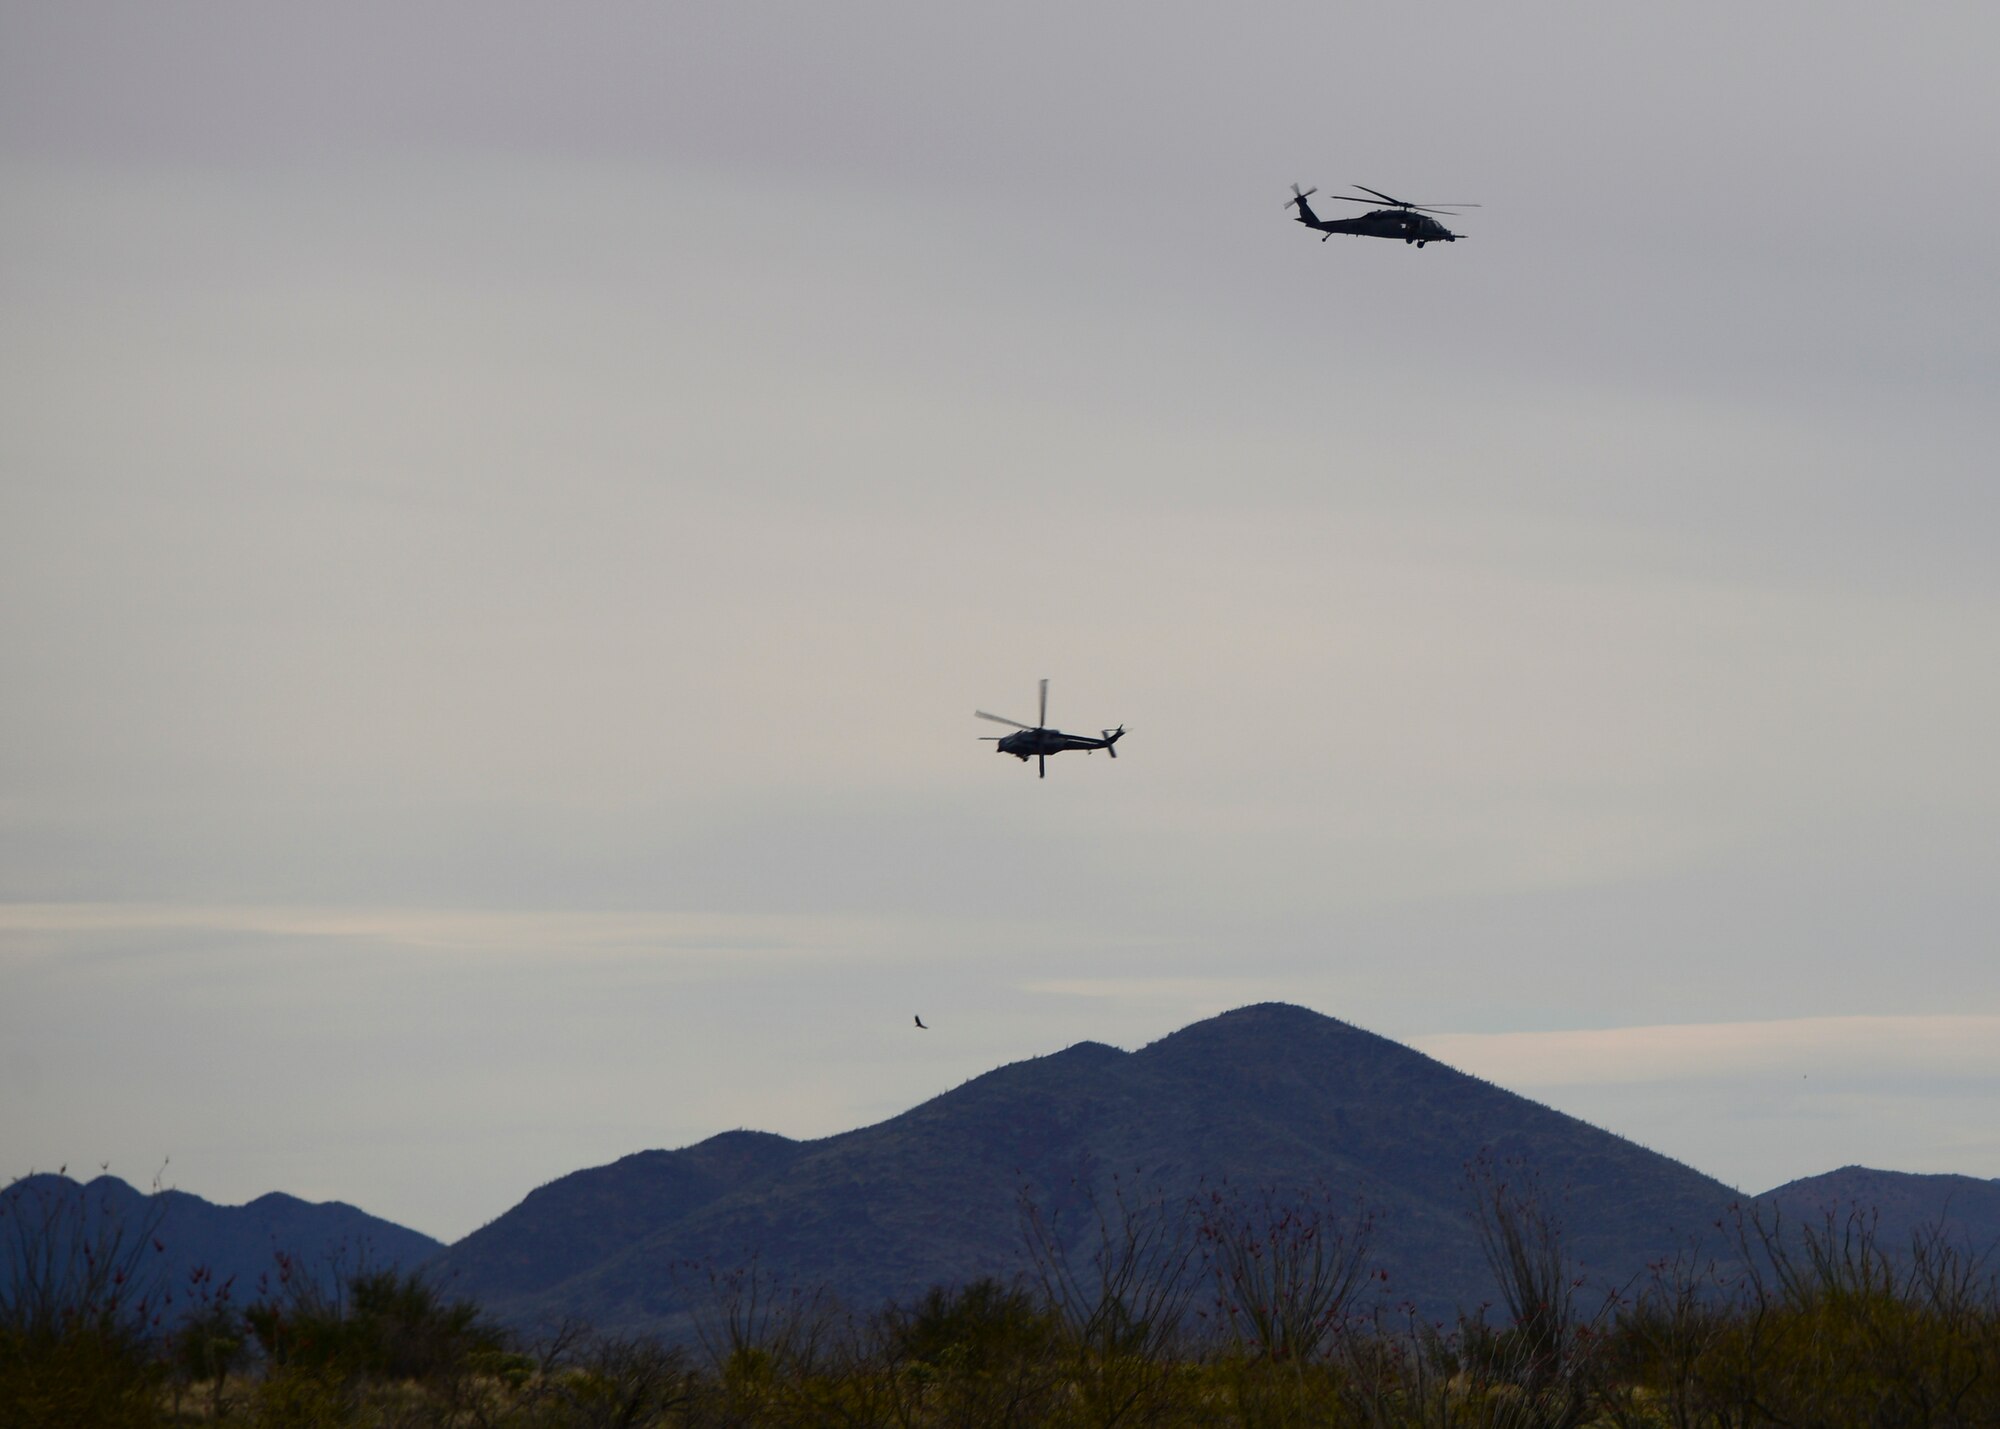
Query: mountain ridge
x=1267 y=1095
x=1896 y=1205
x=237 y=1247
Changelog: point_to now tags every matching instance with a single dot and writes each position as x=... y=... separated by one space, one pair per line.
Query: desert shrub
x=619 y=1383
x=304 y=1397
x=1809 y=1324
x=1118 y=1277
x=976 y=1329
x=1832 y=1319
x=1545 y=1363
x=981 y=1354
x=387 y=1326
x=81 y=1377
x=208 y=1342
x=80 y=1296
x=753 y=1328
x=1286 y=1270
x=769 y=1348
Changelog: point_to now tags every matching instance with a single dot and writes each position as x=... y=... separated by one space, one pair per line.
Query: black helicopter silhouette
x=1038 y=741
x=1400 y=220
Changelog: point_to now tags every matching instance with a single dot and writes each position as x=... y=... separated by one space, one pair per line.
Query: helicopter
x=1402 y=220
x=1039 y=741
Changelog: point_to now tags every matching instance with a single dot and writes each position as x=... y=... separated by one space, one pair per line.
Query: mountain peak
x=1272 y=1094
x=1282 y=1037
x=1089 y=1053
x=1266 y=1019
x=279 y=1202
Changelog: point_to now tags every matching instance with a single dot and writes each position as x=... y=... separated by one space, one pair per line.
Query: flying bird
x=920 y=1023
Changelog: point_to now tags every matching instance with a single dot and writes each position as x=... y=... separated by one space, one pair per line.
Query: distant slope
x=1266 y=1095
x=1965 y=1208
x=572 y=1224
x=236 y=1245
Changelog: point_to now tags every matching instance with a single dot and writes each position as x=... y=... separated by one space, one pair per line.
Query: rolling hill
x=173 y=1234
x=1897 y=1205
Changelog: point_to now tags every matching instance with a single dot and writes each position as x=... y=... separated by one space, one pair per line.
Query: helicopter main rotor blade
x=1002 y=719
x=1444 y=208
x=1045 y=704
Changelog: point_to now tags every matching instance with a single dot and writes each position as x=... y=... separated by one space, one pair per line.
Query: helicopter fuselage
x=1384 y=223
x=1030 y=743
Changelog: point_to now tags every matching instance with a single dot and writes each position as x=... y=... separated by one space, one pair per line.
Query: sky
x=507 y=510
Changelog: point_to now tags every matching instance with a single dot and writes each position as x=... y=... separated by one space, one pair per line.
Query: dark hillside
x=577 y=1221
x=1965 y=1208
x=872 y=1214
x=327 y=1239
x=1363 y=1109
x=1270 y=1095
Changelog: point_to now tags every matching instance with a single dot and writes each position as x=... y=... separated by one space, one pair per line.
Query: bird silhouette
x=920 y=1023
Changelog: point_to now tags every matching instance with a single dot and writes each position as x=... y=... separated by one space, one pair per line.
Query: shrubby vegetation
x=82 y=1305
x=1230 y=1310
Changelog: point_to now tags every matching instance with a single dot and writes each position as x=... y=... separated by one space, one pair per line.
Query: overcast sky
x=509 y=510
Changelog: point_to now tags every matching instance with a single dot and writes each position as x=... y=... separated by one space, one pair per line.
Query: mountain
x=173 y=1235
x=1266 y=1096
x=1964 y=1208
x=572 y=1224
